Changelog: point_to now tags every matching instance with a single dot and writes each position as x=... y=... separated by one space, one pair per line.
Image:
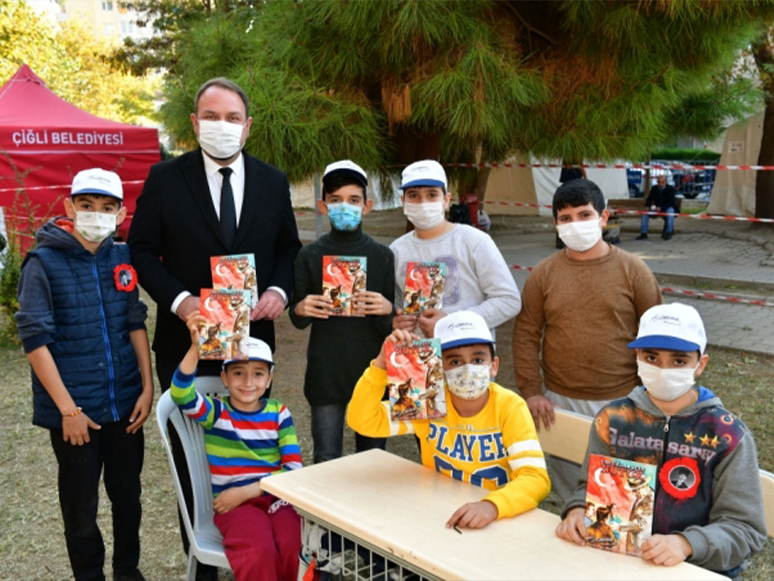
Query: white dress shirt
x=215 y=183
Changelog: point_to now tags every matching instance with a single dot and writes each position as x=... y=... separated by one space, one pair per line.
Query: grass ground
x=31 y=538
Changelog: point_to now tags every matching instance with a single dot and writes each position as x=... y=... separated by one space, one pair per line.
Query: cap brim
x=463 y=342
x=355 y=174
x=664 y=342
x=230 y=361
x=426 y=183
x=95 y=191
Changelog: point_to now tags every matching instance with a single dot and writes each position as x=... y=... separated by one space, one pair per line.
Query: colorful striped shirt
x=242 y=447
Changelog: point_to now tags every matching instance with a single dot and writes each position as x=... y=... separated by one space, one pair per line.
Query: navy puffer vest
x=91 y=346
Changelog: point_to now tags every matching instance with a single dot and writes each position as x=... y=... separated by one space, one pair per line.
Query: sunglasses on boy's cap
x=426 y=173
x=462 y=328
x=97 y=181
x=253 y=350
x=674 y=327
x=348 y=167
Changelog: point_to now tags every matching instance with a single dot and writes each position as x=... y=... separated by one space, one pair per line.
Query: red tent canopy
x=53 y=140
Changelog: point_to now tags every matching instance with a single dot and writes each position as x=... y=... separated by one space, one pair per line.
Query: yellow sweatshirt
x=496 y=449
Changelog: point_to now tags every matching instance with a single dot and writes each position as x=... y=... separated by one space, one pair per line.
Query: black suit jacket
x=175 y=230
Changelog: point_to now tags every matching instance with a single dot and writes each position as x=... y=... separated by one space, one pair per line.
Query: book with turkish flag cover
x=415 y=380
x=424 y=287
x=227 y=323
x=619 y=504
x=235 y=271
x=342 y=277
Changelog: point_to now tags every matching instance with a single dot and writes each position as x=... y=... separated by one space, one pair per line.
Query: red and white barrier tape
x=696 y=216
x=678 y=166
x=690 y=293
x=59 y=187
x=640 y=212
x=715 y=297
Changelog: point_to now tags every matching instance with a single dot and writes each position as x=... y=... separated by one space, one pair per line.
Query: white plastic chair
x=206 y=542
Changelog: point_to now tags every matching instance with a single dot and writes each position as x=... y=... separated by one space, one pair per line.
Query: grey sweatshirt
x=737 y=526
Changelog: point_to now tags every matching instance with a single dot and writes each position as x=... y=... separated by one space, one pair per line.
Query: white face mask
x=424 y=216
x=468 y=381
x=95 y=226
x=666 y=384
x=580 y=235
x=220 y=139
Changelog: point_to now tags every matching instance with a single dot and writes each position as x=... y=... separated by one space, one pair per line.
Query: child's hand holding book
x=315 y=306
x=371 y=303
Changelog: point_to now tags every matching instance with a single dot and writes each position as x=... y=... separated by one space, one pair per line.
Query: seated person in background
x=247 y=437
x=488 y=437
x=717 y=522
x=660 y=199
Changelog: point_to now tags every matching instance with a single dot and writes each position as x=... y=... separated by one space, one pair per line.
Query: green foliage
x=393 y=81
x=704 y=156
x=170 y=19
x=73 y=64
x=10 y=270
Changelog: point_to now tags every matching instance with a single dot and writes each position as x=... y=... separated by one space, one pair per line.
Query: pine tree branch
x=528 y=26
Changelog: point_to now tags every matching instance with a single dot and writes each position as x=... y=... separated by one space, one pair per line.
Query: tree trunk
x=764 y=182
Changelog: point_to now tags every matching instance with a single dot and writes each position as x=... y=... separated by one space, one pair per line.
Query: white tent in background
x=537 y=186
x=515 y=184
x=733 y=193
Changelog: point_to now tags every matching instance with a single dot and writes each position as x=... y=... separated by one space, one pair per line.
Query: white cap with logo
x=673 y=327
x=97 y=181
x=462 y=328
x=347 y=166
x=426 y=173
x=255 y=350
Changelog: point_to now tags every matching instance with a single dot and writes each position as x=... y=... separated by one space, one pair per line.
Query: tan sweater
x=586 y=312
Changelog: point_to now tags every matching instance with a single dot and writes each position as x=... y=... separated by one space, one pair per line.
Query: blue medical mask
x=344 y=216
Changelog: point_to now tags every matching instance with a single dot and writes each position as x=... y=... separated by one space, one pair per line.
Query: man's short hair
x=578 y=193
x=338 y=180
x=223 y=83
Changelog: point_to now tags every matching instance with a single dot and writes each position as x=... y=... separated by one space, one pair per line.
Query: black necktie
x=228 y=221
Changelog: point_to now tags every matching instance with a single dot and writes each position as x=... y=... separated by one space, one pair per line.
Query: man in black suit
x=210 y=202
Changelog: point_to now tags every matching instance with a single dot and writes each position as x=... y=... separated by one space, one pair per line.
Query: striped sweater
x=242 y=447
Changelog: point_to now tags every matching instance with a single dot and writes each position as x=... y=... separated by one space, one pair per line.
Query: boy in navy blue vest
x=708 y=504
x=82 y=325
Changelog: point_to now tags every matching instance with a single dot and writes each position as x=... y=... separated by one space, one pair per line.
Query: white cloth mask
x=424 y=216
x=468 y=381
x=220 y=139
x=95 y=226
x=580 y=235
x=666 y=384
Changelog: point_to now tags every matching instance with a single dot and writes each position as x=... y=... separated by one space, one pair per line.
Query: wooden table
x=400 y=508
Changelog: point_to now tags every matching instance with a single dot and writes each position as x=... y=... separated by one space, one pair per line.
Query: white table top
x=402 y=507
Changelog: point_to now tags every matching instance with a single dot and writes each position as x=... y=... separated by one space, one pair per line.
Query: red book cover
x=236 y=271
x=342 y=277
x=424 y=287
x=619 y=504
x=415 y=380
x=227 y=314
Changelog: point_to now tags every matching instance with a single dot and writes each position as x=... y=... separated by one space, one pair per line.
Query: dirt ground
x=31 y=537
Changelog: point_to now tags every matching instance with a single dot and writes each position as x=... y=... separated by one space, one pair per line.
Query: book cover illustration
x=415 y=380
x=227 y=315
x=342 y=277
x=619 y=504
x=235 y=271
x=424 y=287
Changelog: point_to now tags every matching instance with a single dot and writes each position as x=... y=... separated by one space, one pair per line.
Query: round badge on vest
x=125 y=277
